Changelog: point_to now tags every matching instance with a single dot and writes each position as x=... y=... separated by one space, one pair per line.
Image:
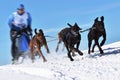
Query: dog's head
x=75 y=29
x=39 y=35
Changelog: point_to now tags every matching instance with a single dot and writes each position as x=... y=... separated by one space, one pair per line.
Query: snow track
x=59 y=67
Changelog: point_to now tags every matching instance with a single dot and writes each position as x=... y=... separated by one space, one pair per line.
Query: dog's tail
x=35 y=31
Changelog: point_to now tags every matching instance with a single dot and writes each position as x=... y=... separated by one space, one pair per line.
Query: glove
x=29 y=28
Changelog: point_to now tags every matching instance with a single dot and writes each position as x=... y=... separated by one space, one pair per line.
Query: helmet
x=21 y=6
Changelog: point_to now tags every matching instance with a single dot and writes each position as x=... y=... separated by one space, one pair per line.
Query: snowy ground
x=59 y=67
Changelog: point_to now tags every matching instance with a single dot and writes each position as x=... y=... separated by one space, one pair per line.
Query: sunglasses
x=21 y=9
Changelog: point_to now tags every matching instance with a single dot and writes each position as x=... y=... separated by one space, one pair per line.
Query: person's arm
x=10 y=23
x=29 y=20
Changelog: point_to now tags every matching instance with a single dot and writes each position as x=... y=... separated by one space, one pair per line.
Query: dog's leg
x=93 y=47
x=69 y=51
x=32 y=55
x=63 y=47
x=31 y=50
x=46 y=46
x=69 y=55
x=89 y=45
x=40 y=52
x=80 y=53
x=58 y=46
x=99 y=47
x=77 y=50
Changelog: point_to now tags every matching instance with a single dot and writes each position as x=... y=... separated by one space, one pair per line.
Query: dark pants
x=14 y=48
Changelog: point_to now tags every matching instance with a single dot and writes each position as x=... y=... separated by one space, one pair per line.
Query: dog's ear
x=69 y=24
x=41 y=31
x=96 y=19
x=102 y=18
x=35 y=31
x=75 y=24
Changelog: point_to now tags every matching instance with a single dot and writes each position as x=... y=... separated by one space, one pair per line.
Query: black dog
x=70 y=37
x=95 y=33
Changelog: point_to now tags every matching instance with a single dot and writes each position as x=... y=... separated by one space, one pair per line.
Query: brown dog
x=36 y=43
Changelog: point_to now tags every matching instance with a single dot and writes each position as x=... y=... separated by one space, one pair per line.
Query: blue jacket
x=12 y=20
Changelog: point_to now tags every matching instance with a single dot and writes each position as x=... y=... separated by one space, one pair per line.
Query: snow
x=59 y=67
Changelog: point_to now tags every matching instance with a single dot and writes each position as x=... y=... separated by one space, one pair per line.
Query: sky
x=53 y=15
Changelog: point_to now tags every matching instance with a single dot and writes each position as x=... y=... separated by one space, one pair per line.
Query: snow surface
x=59 y=67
